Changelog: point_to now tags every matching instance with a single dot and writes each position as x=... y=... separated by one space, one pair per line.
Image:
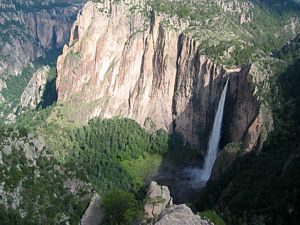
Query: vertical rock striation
x=29 y=29
x=121 y=61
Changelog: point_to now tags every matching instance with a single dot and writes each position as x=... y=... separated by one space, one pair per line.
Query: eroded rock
x=159 y=209
x=180 y=215
x=40 y=26
x=158 y=198
x=33 y=93
x=94 y=214
x=124 y=63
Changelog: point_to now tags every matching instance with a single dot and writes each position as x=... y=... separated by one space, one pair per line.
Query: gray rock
x=6 y=149
x=180 y=215
x=34 y=90
x=31 y=28
x=158 y=198
x=94 y=214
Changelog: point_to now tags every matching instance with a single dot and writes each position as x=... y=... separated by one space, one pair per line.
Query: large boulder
x=158 y=198
x=180 y=215
x=94 y=213
x=159 y=209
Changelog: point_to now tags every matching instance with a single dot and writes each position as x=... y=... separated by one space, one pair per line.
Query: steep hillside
x=35 y=188
x=30 y=30
x=138 y=73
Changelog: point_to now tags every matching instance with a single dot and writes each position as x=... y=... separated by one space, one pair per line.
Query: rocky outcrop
x=94 y=214
x=123 y=61
x=180 y=215
x=29 y=29
x=33 y=93
x=158 y=198
x=159 y=209
x=238 y=8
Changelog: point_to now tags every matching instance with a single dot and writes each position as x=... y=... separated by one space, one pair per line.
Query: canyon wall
x=29 y=29
x=124 y=61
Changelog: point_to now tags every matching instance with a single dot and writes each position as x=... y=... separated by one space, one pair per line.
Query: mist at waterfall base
x=199 y=176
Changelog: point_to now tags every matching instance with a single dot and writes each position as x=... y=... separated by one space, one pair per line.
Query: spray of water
x=213 y=144
x=201 y=176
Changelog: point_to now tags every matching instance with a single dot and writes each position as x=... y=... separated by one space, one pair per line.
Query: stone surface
x=123 y=63
x=158 y=198
x=33 y=93
x=159 y=209
x=30 y=28
x=94 y=214
x=180 y=215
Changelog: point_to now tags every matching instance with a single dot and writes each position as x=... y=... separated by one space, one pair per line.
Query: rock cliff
x=123 y=61
x=29 y=29
x=33 y=93
x=159 y=209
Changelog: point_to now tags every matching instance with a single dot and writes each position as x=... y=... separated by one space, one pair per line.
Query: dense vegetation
x=109 y=154
x=35 y=188
x=101 y=146
x=264 y=188
x=121 y=208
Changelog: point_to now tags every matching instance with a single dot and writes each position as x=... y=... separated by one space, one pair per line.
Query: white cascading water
x=214 y=139
x=198 y=177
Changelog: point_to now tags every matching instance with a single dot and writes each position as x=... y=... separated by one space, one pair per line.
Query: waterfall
x=214 y=139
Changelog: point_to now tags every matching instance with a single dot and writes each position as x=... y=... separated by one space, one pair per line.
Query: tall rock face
x=122 y=61
x=33 y=93
x=160 y=210
x=29 y=29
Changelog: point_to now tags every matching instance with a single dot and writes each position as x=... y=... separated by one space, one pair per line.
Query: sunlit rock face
x=160 y=210
x=122 y=61
x=33 y=93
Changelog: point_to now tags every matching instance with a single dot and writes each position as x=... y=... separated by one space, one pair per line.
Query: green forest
x=111 y=154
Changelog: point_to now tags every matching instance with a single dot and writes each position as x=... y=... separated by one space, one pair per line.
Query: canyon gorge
x=149 y=112
x=122 y=64
x=31 y=29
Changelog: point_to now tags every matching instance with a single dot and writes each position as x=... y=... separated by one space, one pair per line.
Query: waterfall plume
x=201 y=176
x=214 y=139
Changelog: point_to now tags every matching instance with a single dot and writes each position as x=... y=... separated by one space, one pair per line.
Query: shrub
x=121 y=207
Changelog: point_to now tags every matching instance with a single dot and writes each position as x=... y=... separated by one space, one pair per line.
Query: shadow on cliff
x=50 y=94
x=240 y=110
x=265 y=184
